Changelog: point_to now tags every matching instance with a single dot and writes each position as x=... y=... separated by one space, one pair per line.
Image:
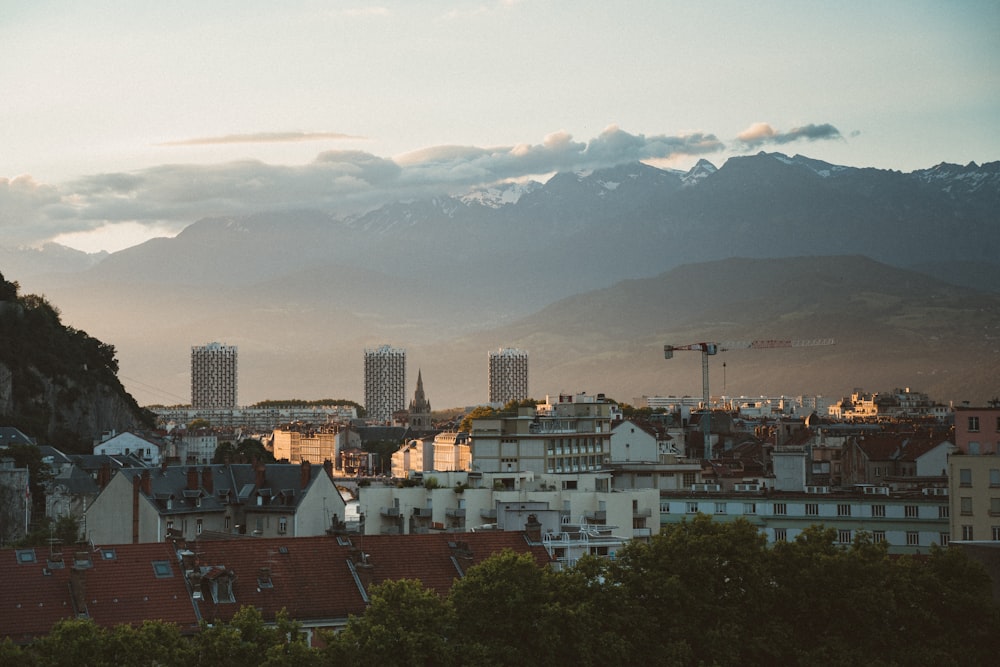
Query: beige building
x=144 y=505
x=974 y=491
x=315 y=445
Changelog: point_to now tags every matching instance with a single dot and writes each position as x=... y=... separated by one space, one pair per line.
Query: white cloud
x=167 y=197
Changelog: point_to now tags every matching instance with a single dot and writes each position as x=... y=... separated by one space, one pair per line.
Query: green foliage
x=431 y=482
x=405 y=624
x=66 y=529
x=38 y=348
x=249 y=450
x=481 y=412
x=700 y=593
x=299 y=403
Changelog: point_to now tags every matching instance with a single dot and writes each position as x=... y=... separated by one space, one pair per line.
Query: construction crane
x=710 y=349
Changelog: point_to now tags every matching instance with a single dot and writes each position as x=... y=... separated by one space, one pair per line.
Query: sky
x=124 y=120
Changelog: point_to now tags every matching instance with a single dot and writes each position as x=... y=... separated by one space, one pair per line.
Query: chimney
x=306 y=473
x=261 y=478
x=207 y=481
x=533 y=529
x=328 y=467
x=104 y=475
x=192 y=479
x=147 y=483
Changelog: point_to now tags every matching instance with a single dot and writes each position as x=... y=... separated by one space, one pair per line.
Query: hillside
x=57 y=383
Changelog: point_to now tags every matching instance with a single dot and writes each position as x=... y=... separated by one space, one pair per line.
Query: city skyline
x=111 y=116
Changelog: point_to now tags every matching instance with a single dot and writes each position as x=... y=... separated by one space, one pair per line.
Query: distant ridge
x=617 y=257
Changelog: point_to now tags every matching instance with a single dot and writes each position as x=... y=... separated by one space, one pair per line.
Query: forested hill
x=57 y=383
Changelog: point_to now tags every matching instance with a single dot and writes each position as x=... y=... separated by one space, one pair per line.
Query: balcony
x=599 y=515
x=424 y=512
x=455 y=513
x=488 y=514
x=643 y=513
x=389 y=511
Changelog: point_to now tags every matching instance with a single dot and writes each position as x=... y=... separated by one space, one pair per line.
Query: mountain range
x=590 y=272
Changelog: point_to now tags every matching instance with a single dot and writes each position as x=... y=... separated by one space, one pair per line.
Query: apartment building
x=508 y=375
x=568 y=434
x=909 y=522
x=214 y=376
x=385 y=382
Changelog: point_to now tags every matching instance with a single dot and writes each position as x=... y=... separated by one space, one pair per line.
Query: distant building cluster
x=213 y=376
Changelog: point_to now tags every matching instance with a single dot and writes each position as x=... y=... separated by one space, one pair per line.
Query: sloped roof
x=311 y=577
x=119 y=586
x=897 y=446
x=314 y=578
x=282 y=487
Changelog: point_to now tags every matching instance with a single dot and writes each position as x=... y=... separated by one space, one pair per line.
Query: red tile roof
x=119 y=586
x=316 y=579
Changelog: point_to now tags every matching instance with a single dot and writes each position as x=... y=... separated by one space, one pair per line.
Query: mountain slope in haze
x=302 y=292
x=892 y=328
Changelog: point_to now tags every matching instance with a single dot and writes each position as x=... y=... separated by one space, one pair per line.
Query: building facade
x=568 y=435
x=385 y=382
x=508 y=375
x=213 y=376
x=909 y=522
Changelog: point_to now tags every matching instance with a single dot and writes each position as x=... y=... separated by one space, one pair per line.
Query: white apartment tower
x=508 y=375
x=385 y=382
x=213 y=376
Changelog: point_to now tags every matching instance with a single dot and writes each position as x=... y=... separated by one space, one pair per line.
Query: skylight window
x=108 y=553
x=162 y=569
x=25 y=556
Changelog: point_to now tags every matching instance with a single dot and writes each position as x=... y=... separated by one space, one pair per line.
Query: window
x=25 y=556
x=994 y=506
x=812 y=509
x=720 y=508
x=973 y=424
x=689 y=478
x=944 y=539
x=912 y=512
x=912 y=538
x=282 y=525
x=843 y=509
x=780 y=535
x=878 y=510
x=966 y=532
x=162 y=569
x=780 y=509
x=944 y=511
x=878 y=536
x=844 y=536
x=994 y=476
x=749 y=508
x=198 y=526
x=965 y=477
x=996 y=533
x=966 y=505
x=664 y=508
x=692 y=508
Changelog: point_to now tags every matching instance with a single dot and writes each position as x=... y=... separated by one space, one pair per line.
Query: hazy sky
x=120 y=120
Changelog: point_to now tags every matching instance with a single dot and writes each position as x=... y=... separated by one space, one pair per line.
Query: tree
x=405 y=624
x=503 y=611
x=481 y=412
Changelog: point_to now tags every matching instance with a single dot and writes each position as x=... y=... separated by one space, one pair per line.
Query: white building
x=570 y=434
x=508 y=375
x=385 y=382
x=213 y=376
x=130 y=444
